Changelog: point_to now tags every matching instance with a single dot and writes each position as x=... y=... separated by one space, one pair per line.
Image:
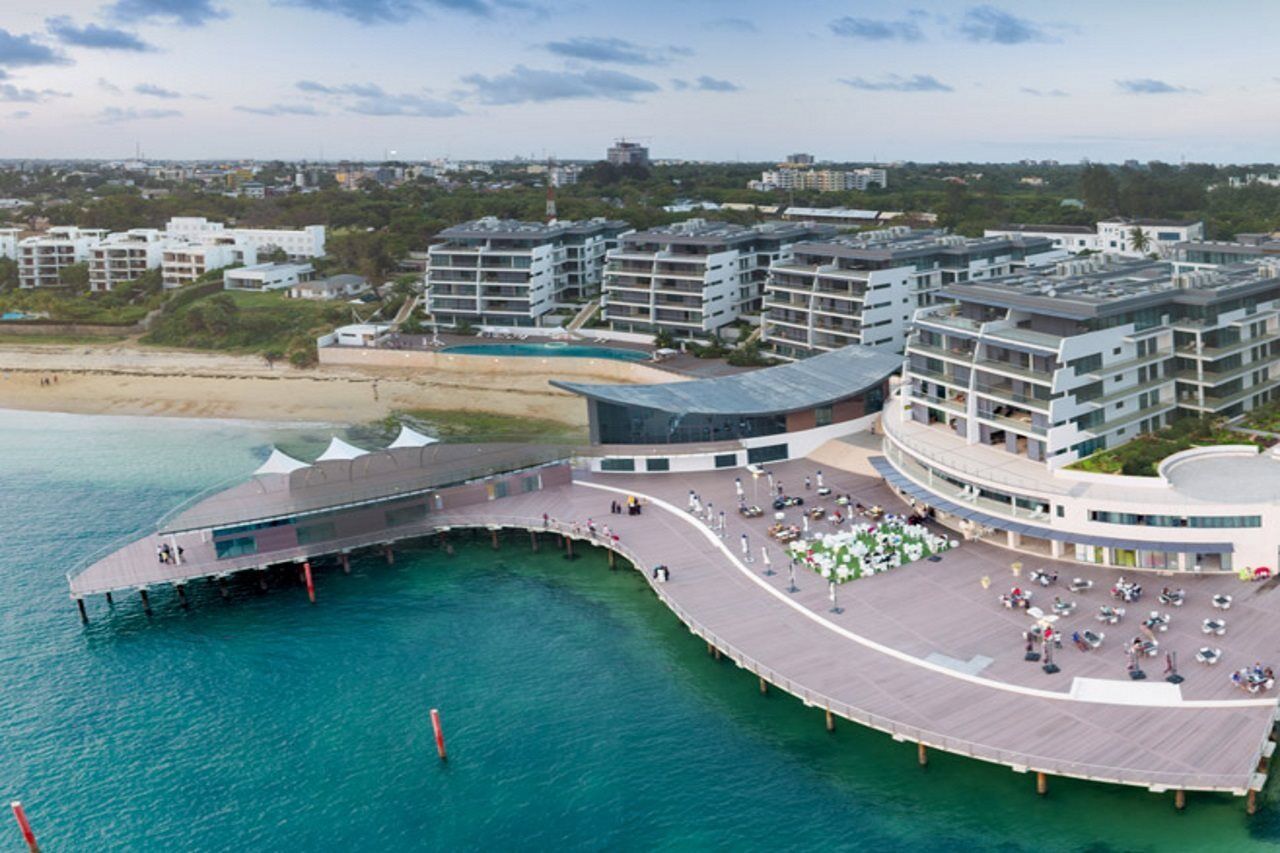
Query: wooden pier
x=923 y=653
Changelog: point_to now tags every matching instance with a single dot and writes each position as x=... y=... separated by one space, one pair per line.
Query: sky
x=693 y=79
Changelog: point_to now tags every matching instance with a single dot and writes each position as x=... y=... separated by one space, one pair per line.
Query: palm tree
x=1139 y=240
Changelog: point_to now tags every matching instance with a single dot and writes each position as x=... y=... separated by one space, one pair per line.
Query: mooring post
x=922 y=754
x=311 y=586
x=439 y=733
x=346 y=564
x=84 y=615
x=831 y=721
x=1251 y=802
x=146 y=601
x=181 y=589
x=24 y=826
x=391 y=556
x=1180 y=799
x=1042 y=784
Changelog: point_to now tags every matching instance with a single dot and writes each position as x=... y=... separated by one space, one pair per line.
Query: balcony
x=1003 y=393
x=1213 y=353
x=1017 y=424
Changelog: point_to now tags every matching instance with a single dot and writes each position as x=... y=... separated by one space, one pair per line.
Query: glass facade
x=620 y=424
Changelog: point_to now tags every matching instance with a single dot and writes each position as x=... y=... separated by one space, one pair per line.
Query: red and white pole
x=311 y=587
x=439 y=730
x=25 y=826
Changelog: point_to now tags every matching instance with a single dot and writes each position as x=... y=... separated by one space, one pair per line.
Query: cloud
x=707 y=84
x=996 y=26
x=525 y=85
x=21 y=114
x=873 y=30
x=732 y=25
x=398 y=11
x=154 y=91
x=1044 y=93
x=189 y=13
x=94 y=36
x=613 y=50
x=897 y=83
x=17 y=51
x=371 y=100
x=282 y=110
x=1148 y=86
x=115 y=115
x=13 y=94
x=107 y=86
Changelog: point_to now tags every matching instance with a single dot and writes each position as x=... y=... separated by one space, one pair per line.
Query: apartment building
x=298 y=243
x=1056 y=363
x=261 y=277
x=9 y=238
x=41 y=258
x=694 y=277
x=509 y=273
x=124 y=256
x=1246 y=247
x=185 y=261
x=1071 y=238
x=822 y=180
x=864 y=288
x=1117 y=236
x=623 y=153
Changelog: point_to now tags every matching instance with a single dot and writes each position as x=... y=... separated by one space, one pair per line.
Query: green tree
x=8 y=275
x=75 y=277
x=1139 y=240
x=1099 y=189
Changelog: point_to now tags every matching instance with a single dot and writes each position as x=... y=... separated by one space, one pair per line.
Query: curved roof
x=817 y=381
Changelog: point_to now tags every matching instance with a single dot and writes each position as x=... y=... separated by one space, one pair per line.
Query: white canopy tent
x=279 y=463
x=339 y=449
x=410 y=438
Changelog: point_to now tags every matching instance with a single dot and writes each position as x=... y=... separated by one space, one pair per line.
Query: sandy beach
x=128 y=380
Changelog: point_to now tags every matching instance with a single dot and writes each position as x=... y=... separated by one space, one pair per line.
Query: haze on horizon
x=698 y=79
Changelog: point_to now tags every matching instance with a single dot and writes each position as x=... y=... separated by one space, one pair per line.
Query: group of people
x=1254 y=678
x=633 y=506
x=46 y=381
x=1126 y=590
x=1017 y=599
x=169 y=556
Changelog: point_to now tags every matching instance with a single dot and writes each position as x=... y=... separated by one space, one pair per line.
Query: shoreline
x=126 y=380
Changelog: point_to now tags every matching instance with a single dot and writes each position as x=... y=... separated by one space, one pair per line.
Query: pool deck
x=923 y=652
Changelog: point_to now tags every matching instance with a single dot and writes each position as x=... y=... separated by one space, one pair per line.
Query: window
x=617 y=464
x=531 y=484
x=657 y=463
x=726 y=460
x=316 y=532
x=403 y=515
x=769 y=453
x=237 y=547
x=497 y=490
x=822 y=416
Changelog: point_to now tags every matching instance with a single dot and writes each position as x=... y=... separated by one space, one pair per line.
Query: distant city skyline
x=700 y=79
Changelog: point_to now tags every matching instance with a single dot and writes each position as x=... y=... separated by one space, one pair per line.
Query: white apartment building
x=695 y=277
x=263 y=277
x=42 y=257
x=183 y=262
x=508 y=273
x=822 y=180
x=1113 y=236
x=9 y=242
x=1027 y=374
x=297 y=243
x=124 y=256
x=864 y=288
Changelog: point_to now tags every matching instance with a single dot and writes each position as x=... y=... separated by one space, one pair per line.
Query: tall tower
x=551 y=190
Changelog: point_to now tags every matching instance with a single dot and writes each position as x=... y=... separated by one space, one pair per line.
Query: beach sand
x=128 y=380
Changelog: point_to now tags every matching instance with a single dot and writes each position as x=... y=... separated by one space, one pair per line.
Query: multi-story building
x=800 y=160
x=1214 y=252
x=298 y=243
x=1072 y=238
x=503 y=272
x=624 y=153
x=262 y=277
x=9 y=242
x=1159 y=236
x=125 y=256
x=1026 y=374
x=864 y=288
x=694 y=277
x=822 y=180
x=42 y=258
x=184 y=262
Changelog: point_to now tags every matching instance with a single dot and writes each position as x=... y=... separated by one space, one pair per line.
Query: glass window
x=316 y=532
x=616 y=464
x=531 y=484
x=237 y=547
x=822 y=416
x=769 y=453
x=406 y=515
x=726 y=460
x=657 y=464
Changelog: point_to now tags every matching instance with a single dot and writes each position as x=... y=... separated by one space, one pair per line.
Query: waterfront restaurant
x=767 y=415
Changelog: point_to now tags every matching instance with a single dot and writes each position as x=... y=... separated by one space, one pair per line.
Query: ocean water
x=578 y=713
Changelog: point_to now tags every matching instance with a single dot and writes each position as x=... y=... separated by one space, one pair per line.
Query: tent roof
x=279 y=462
x=339 y=449
x=410 y=438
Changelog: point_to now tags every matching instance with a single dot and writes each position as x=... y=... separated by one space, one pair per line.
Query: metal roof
x=816 y=381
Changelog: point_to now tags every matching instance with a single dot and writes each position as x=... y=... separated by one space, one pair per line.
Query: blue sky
x=702 y=79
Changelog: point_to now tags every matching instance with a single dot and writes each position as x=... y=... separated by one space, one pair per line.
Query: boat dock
x=923 y=653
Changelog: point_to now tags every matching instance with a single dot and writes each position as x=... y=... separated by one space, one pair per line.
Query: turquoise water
x=579 y=715
x=561 y=350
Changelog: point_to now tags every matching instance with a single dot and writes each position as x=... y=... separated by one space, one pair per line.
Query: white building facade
x=261 y=277
x=298 y=243
x=125 y=256
x=42 y=258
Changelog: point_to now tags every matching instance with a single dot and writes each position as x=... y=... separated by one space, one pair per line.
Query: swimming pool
x=15 y=315
x=554 y=348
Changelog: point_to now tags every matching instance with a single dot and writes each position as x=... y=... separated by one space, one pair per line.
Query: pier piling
x=311 y=586
x=346 y=564
x=764 y=687
x=1251 y=803
x=439 y=733
x=922 y=754
x=568 y=544
x=533 y=540
x=181 y=589
x=493 y=536
x=84 y=615
x=24 y=825
x=831 y=721
x=146 y=601
x=222 y=588
x=1042 y=784
x=110 y=600
x=391 y=556
x=1180 y=799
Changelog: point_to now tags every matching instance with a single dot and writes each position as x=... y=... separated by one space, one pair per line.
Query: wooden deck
x=924 y=652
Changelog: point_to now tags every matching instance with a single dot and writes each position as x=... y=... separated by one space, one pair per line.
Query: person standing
x=746 y=549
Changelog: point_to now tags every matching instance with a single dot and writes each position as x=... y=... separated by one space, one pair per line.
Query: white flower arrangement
x=866 y=549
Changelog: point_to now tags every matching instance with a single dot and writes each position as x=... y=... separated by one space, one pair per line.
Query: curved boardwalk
x=897 y=659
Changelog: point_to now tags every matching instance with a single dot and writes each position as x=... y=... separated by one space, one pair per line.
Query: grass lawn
x=58 y=340
x=461 y=426
x=1142 y=456
x=254 y=323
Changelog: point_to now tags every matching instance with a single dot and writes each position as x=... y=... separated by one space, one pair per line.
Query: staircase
x=406 y=310
x=754 y=336
x=580 y=319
